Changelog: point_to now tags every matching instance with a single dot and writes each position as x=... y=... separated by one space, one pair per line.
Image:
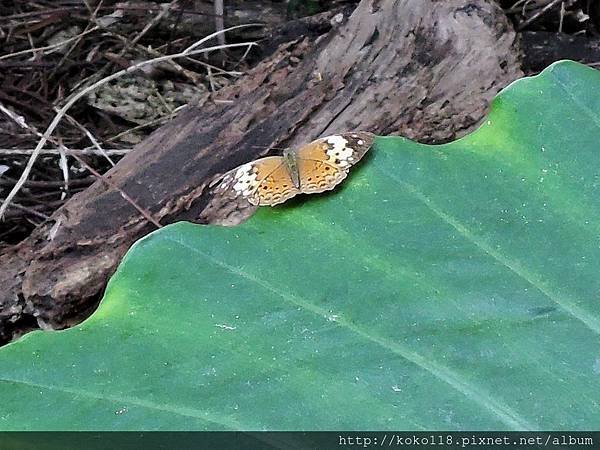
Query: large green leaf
x=442 y=287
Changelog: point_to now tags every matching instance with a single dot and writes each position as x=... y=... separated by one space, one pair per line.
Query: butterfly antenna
x=267 y=148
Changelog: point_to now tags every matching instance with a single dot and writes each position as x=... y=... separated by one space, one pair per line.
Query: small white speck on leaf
x=596 y=366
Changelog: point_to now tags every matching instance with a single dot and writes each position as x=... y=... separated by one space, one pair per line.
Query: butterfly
x=315 y=167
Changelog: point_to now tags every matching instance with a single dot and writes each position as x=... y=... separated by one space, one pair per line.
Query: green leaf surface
x=441 y=287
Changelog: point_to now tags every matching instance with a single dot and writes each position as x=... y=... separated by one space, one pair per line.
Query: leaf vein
x=475 y=394
x=534 y=280
x=128 y=401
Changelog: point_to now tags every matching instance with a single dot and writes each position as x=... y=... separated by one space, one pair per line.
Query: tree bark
x=420 y=68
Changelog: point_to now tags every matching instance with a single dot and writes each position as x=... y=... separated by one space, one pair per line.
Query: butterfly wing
x=318 y=176
x=324 y=163
x=265 y=181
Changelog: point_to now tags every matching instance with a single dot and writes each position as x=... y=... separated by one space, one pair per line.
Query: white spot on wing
x=337 y=142
x=246 y=179
x=339 y=149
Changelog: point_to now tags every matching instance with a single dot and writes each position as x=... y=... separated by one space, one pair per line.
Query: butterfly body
x=289 y=158
x=316 y=167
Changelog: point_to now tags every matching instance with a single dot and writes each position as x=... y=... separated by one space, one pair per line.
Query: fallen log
x=420 y=68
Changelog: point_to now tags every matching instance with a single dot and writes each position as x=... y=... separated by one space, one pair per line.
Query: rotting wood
x=420 y=68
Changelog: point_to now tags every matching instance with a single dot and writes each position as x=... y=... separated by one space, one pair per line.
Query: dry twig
x=539 y=13
x=91 y=137
x=105 y=180
x=52 y=47
x=82 y=151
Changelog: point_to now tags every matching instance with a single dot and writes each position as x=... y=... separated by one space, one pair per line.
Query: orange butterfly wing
x=318 y=175
x=276 y=186
x=324 y=163
x=265 y=181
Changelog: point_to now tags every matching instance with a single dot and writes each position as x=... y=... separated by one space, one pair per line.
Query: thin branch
x=105 y=180
x=77 y=182
x=157 y=121
x=82 y=151
x=122 y=7
x=19 y=120
x=30 y=211
x=539 y=13
x=164 y=11
x=49 y=47
x=562 y=17
x=91 y=137
x=75 y=44
x=192 y=76
x=219 y=21
x=64 y=167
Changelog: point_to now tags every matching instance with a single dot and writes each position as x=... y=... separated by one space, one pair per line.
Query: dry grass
x=76 y=71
